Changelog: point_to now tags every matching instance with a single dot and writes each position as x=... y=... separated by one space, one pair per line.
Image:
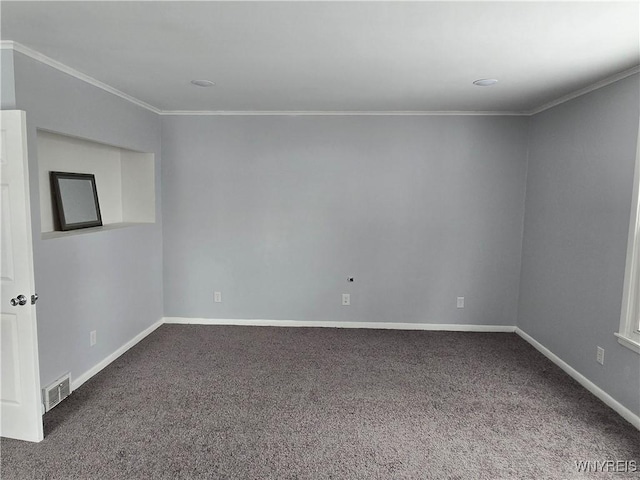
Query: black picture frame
x=75 y=199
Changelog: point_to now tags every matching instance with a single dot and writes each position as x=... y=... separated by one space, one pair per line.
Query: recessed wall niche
x=125 y=180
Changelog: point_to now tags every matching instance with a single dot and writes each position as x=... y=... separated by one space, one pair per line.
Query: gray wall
x=276 y=212
x=7 y=83
x=109 y=281
x=578 y=202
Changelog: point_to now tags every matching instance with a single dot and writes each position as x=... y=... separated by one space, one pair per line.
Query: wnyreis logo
x=608 y=466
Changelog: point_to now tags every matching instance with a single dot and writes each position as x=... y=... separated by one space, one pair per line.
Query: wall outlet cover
x=346 y=299
x=600 y=355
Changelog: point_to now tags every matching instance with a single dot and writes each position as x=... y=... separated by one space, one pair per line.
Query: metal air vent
x=53 y=394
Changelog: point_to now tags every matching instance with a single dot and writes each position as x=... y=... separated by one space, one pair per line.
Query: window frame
x=629 y=331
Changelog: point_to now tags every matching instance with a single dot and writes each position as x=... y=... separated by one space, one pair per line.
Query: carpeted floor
x=276 y=403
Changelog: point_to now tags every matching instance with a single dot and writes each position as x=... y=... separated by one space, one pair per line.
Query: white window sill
x=627 y=342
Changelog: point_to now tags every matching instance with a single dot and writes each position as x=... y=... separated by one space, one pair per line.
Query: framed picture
x=75 y=200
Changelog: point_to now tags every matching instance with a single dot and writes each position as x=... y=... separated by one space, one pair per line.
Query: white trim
x=627 y=334
x=588 y=89
x=341 y=113
x=627 y=342
x=11 y=45
x=451 y=327
x=99 y=366
x=623 y=411
x=29 y=52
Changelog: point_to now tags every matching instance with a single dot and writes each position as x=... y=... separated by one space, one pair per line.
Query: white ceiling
x=335 y=56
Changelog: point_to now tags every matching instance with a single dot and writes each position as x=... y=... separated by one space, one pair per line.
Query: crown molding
x=585 y=90
x=342 y=113
x=35 y=55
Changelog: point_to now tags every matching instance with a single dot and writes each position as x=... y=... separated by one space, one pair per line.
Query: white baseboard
x=623 y=411
x=316 y=323
x=92 y=371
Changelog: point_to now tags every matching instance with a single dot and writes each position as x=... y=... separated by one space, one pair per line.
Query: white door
x=20 y=403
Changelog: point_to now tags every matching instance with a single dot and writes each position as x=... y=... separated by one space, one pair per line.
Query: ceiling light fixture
x=202 y=83
x=485 y=82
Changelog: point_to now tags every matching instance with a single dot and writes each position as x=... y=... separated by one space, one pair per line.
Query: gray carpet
x=277 y=403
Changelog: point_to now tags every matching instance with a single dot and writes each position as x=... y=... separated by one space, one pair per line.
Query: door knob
x=19 y=300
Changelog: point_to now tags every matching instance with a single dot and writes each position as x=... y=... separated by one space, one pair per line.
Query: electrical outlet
x=217 y=297
x=93 y=338
x=600 y=355
x=346 y=299
x=460 y=302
